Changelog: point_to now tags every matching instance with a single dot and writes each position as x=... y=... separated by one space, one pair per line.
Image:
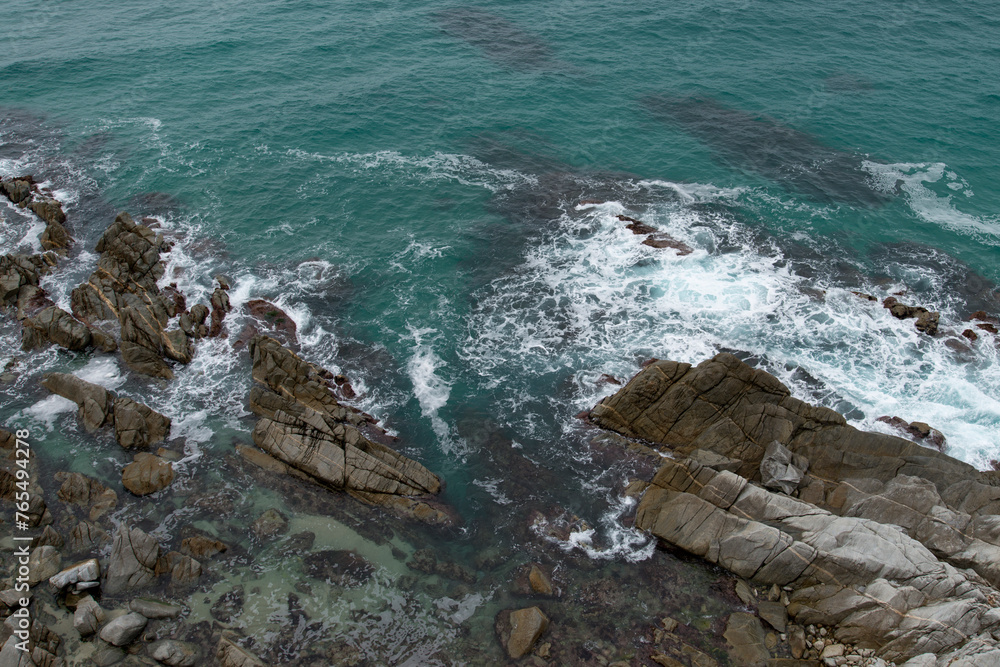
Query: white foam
x=48 y=410
x=915 y=179
x=430 y=389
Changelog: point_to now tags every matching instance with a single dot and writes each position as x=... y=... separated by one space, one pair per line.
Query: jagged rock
x=780 y=469
x=17 y=189
x=137 y=425
x=303 y=425
x=49 y=537
x=48 y=209
x=55 y=325
x=728 y=408
x=84 y=571
x=82 y=490
x=774 y=614
x=918 y=431
x=426 y=561
x=230 y=655
x=88 y=616
x=177 y=346
x=270 y=524
x=927 y=321
x=154 y=609
x=133 y=561
x=12 y=656
x=123 y=630
x=147 y=474
x=520 y=629
x=174 y=653
x=19 y=271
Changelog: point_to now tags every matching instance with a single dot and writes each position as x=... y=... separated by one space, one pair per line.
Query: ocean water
x=432 y=192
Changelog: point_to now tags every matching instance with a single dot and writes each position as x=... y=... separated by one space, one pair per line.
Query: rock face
x=133 y=561
x=124 y=288
x=892 y=544
x=135 y=424
x=303 y=425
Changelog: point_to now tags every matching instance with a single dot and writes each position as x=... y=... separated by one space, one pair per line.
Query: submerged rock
x=303 y=425
x=229 y=654
x=519 y=630
x=927 y=321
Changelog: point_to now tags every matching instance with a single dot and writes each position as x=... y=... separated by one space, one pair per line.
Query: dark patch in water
x=845 y=82
x=761 y=144
x=500 y=40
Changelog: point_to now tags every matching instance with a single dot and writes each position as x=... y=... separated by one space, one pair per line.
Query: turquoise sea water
x=410 y=182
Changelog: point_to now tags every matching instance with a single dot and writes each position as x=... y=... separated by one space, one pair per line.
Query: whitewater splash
x=590 y=299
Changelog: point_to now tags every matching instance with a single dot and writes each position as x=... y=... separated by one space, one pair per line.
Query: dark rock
x=229 y=605
x=137 y=425
x=230 y=654
x=270 y=524
x=88 y=616
x=780 y=469
x=174 y=653
x=201 y=547
x=745 y=635
x=520 y=629
x=55 y=325
x=919 y=431
x=273 y=320
x=184 y=571
x=79 y=489
x=927 y=321
x=663 y=240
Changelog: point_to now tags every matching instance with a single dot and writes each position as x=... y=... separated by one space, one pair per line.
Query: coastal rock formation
x=132 y=565
x=23 y=191
x=927 y=321
x=19 y=276
x=124 y=288
x=304 y=426
x=135 y=424
x=147 y=474
x=892 y=544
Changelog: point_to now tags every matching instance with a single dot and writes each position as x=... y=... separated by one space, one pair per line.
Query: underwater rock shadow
x=763 y=145
x=499 y=40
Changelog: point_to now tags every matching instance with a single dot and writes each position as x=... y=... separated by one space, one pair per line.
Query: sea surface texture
x=440 y=195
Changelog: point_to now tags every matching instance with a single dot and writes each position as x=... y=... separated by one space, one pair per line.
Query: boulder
x=274 y=320
x=147 y=474
x=525 y=627
x=79 y=489
x=19 y=271
x=184 y=570
x=746 y=638
x=88 y=616
x=55 y=325
x=137 y=425
x=780 y=469
x=199 y=546
x=133 y=561
x=95 y=402
x=43 y=562
x=123 y=630
x=270 y=524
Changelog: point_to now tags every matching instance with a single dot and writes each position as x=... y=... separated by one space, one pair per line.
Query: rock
x=274 y=320
x=147 y=474
x=270 y=524
x=154 y=609
x=55 y=325
x=745 y=635
x=918 y=431
x=137 y=425
x=201 y=547
x=79 y=489
x=303 y=425
x=93 y=400
x=230 y=655
x=48 y=537
x=84 y=571
x=48 y=209
x=12 y=656
x=540 y=582
x=184 y=570
x=797 y=640
x=664 y=240
x=774 y=614
x=107 y=656
x=17 y=189
x=87 y=537
x=229 y=605
x=927 y=321
x=88 y=616
x=123 y=630
x=133 y=561
x=780 y=469
x=174 y=653
x=176 y=345
x=525 y=627
x=43 y=562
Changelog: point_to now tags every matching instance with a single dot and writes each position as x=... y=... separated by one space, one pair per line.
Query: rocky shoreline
x=839 y=547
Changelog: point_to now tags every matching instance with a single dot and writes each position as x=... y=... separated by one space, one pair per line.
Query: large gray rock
x=780 y=469
x=88 y=616
x=154 y=608
x=43 y=562
x=82 y=572
x=133 y=561
x=123 y=630
x=95 y=402
x=147 y=474
x=303 y=425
